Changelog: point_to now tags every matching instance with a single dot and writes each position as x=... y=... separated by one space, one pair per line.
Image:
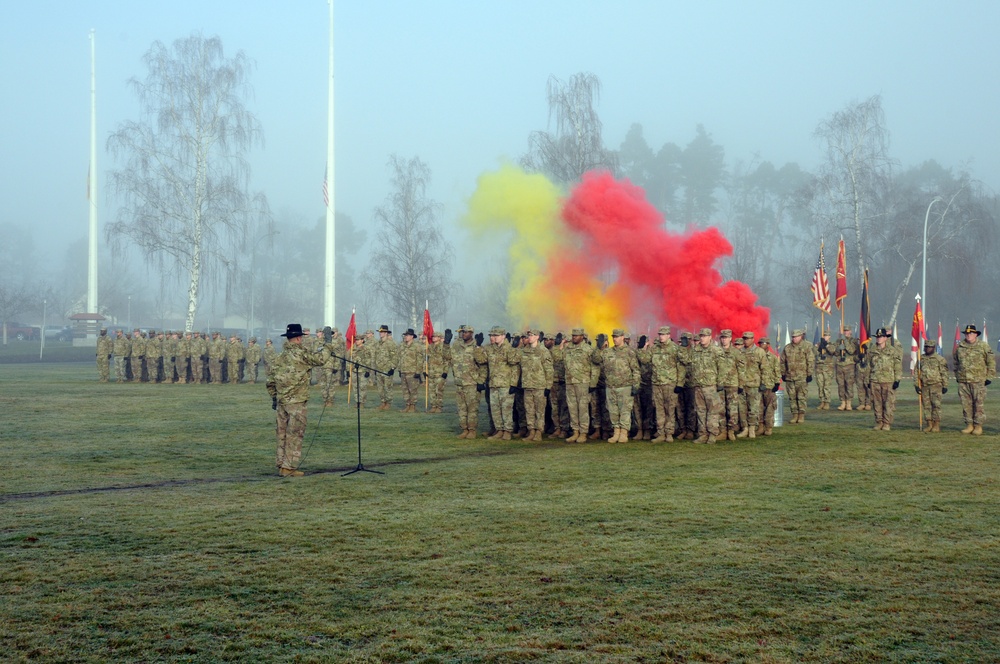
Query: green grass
x=145 y=523
x=20 y=352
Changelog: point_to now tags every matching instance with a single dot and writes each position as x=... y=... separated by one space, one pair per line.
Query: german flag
x=865 y=327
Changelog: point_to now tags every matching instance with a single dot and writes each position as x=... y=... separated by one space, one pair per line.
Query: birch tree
x=184 y=180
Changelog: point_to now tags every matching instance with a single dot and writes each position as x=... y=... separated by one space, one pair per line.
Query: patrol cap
x=367 y=332
x=578 y=332
x=725 y=333
x=705 y=332
x=665 y=329
x=497 y=331
x=970 y=329
x=929 y=343
x=738 y=341
x=252 y=340
x=685 y=335
x=798 y=332
x=335 y=330
x=847 y=328
x=384 y=328
x=534 y=332
x=618 y=332
x=748 y=335
x=826 y=332
x=764 y=340
x=881 y=332
x=438 y=334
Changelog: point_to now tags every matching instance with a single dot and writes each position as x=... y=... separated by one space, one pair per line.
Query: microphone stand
x=357 y=402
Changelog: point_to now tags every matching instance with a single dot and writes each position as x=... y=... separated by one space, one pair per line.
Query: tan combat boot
x=730 y=435
x=538 y=436
x=968 y=428
x=497 y=436
x=886 y=427
x=573 y=436
x=842 y=406
x=849 y=406
x=470 y=434
x=753 y=432
x=702 y=439
x=505 y=435
x=878 y=426
x=581 y=437
x=937 y=426
x=659 y=438
x=768 y=430
x=290 y=472
x=614 y=437
x=623 y=436
x=978 y=430
x=711 y=439
x=744 y=433
x=465 y=432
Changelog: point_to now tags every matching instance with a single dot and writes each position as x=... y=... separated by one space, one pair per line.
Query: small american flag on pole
x=820 y=286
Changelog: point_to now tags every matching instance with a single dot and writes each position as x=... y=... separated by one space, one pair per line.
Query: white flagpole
x=328 y=292
x=92 y=195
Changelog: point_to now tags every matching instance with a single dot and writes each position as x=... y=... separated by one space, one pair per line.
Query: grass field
x=145 y=523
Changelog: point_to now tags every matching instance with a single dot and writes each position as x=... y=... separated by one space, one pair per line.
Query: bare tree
x=577 y=146
x=185 y=181
x=858 y=171
x=412 y=262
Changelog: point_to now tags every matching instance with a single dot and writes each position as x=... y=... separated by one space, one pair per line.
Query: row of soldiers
x=176 y=357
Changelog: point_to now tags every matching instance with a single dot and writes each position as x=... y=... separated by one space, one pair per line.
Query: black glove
x=416 y=376
x=895 y=384
x=479 y=338
x=274 y=403
x=546 y=391
x=944 y=390
x=602 y=340
x=507 y=337
x=480 y=387
x=511 y=390
x=391 y=372
x=327 y=334
x=642 y=341
x=635 y=391
x=739 y=390
x=822 y=344
x=863 y=364
x=592 y=390
x=809 y=379
x=559 y=338
x=444 y=376
x=685 y=342
x=917 y=388
x=515 y=342
x=762 y=388
x=777 y=386
x=719 y=388
x=988 y=382
x=447 y=336
x=678 y=389
x=368 y=374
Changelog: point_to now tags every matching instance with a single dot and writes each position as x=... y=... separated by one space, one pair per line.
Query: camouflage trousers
x=600 y=418
x=168 y=369
x=233 y=371
x=357 y=388
x=973 y=397
x=665 y=403
x=642 y=409
x=729 y=408
x=534 y=409
x=197 y=369
x=411 y=388
x=502 y=408
x=750 y=406
x=121 y=369
x=883 y=402
x=153 y=369
x=437 y=390
x=845 y=381
x=558 y=407
x=707 y=406
x=688 y=414
x=864 y=392
x=384 y=385
x=181 y=367
x=578 y=403
x=798 y=394
x=467 y=400
x=103 y=367
x=931 y=397
x=825 y=380
x=291 y=427
x=251 y=372
x=619 y=402
x=215 y=369
x=520 y=417
x=768 y=404
x=328 y=379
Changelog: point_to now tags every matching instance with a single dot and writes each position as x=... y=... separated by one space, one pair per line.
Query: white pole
x=92 y=195
x=923 y=281
x=329 y=301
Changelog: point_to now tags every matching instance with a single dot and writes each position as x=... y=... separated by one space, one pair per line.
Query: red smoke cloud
x=620 y=229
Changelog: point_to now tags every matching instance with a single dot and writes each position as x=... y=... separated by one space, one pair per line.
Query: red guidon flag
x=917 y=335
x=352 y=330
x=841 y=275
x=428 y=328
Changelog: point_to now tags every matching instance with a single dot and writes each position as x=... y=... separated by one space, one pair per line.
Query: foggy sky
x=461 y=85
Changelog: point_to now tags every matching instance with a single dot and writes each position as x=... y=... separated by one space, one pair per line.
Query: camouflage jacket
x=621 y=367
x=105 y=346
x=138 y=347
x=798 y=361
x=826 y=356
x=558 y=365
x=886 y=363
x=217 y=349
x=288 y=379
x=847 y=351
x=183 y=348
x=170 y=347
x=364 y=355
x=269 y=354
x=123 y=346
x=234 y=351
x=771 y=371
x=704 y=365
x=665 y=361
x=338 y=351
x=536 y=367
x=730 y=367
x=467 y=362
x=252 y=354
x=974 y=362
x=438 y=359
x=502 y=361
x=755 y=368
x=411 y=358
x=199 y=347
x=154 y=349
x=579 y=360
x=385 y=354
x=933 y=370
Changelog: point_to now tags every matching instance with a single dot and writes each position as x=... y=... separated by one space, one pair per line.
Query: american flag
x=820 y=286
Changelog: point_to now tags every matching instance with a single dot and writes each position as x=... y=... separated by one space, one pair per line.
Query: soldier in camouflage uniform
x=154 y=353
x=579 y=360
x=252 y=358
x=234 y=355
x=975 y=368
x=887 y=368
x=468 y=366
x=122 y=349
x=704 y=368
x=557 y=396
x=931 y=383
x=138 y=357
x=826 y=358
x=754 y=386
x=687 y=413
x=770 y=378
x=268 y=355
x=216 y=356
x=438 y=359
x=105 y=349
x=730 y=364
x=502 y=361
x=385 y=361
x=621 y=379
x=848 y=354
x=798 y=362
x=864 y=382
x=328 y=373
x=183 y=357
x=536 y=381
x=667 y=374
x=288 y=386
x=364 y=355
x=199 y=358
x=410 y=364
